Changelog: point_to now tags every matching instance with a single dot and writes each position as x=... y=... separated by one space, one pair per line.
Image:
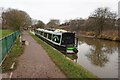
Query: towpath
x=35 y=63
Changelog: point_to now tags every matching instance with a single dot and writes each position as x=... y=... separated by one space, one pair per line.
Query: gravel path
x=35 y=63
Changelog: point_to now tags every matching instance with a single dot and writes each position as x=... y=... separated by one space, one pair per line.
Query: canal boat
x=62 y=40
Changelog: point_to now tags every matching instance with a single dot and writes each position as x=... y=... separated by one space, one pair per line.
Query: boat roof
x=56 y=31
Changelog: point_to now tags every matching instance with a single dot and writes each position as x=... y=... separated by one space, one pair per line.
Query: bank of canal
x=99 y=56
x=69 y=68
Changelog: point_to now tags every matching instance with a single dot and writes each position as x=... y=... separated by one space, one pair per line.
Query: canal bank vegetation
x=112 y=35
x=102 y=24
x=70 y=69
x=14 y=53
x=5 y=32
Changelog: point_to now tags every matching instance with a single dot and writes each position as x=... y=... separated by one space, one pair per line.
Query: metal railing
x=6 y=44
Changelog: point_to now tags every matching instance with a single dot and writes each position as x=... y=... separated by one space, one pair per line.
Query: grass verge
x=15 y=52
x=70 y=69
x=5 y=32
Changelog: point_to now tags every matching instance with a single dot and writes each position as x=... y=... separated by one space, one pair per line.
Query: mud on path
x=35 y=63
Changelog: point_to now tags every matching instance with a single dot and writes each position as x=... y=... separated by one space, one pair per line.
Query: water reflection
x=99 y=50
x=99 y=56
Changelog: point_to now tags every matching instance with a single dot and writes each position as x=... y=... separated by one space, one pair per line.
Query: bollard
x=23 y=42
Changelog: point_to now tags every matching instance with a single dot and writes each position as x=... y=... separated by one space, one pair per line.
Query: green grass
x=69 y=68
x=5 y=33
x=15 y=52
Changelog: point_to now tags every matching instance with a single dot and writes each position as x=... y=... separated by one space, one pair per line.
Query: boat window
x=68 y=38
x=49 y=36
x=41 y=33
x=45 y=34
x=56 y=38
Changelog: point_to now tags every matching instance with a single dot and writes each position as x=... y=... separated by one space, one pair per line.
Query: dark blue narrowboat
x=62 y=40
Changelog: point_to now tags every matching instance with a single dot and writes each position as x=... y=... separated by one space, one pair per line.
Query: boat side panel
x=60 y=48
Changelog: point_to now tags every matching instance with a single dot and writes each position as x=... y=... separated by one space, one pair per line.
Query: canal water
x=98 y=56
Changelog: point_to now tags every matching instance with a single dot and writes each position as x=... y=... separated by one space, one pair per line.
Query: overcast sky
x=59 y=9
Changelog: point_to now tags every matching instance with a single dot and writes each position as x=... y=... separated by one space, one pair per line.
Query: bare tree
x=76 y=24
x=39 y=24
x=16 y=19
x=104 y=18
x=1 y=17
x=1 y=11
x=53 y=23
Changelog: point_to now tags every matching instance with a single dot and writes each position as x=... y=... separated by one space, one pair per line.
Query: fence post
x=6 y=44
x=15 y=35
x=12 y=38
x=0 y=50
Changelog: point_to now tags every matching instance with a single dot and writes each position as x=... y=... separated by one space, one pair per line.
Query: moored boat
x=62 y=40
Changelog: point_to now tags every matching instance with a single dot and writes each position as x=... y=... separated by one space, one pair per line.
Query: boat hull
x=58 y=47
